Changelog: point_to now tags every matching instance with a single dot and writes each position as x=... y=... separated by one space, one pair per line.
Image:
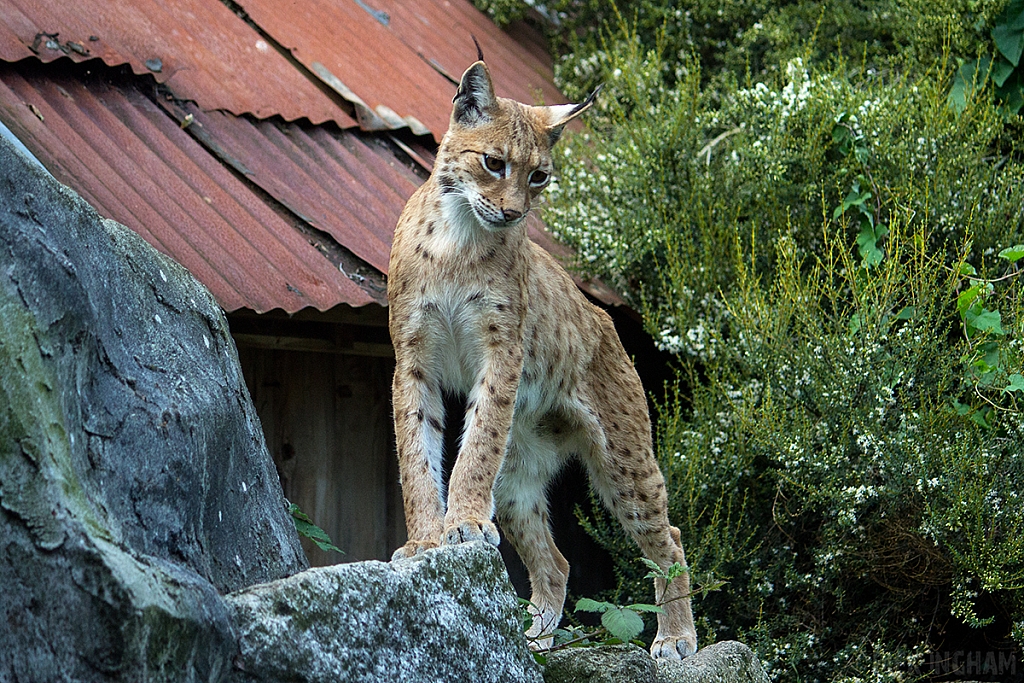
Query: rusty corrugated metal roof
x=135 y=164
x=267 y=213
x=393 y=60
x=200 y=49
x=342 y=183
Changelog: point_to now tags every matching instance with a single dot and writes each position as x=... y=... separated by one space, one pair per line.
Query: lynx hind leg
x=633 y=489
x=521 y=500
x=625 y=475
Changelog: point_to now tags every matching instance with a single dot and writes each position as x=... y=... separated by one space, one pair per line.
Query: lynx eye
x=494 y=164
x=539 y=178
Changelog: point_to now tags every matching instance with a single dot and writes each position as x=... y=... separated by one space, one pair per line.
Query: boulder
x=135 y=484
x=447 y=615
x=724 y=662
x=605 y=664
x=727 y=661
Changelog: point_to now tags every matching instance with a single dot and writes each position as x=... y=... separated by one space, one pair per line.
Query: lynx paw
x=412 y=549
x=544 y=622
x=471 y=530
x=674 y=647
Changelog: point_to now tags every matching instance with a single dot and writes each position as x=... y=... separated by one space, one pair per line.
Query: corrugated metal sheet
x=342 y=183
x=331 y=196
x=392 y=70
x=200 y=49
x=131 y=161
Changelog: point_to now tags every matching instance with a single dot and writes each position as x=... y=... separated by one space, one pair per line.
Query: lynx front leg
x=488 y=420
x=419 y=427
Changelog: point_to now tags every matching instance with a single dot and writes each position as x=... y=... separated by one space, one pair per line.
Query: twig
x=706 y=149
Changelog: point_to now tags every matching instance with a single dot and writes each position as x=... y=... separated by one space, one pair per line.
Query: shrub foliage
x=830 y=244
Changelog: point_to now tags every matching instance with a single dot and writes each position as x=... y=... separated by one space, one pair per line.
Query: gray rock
x=605 y=664
x=727 y=661
x=724 y=662
x=134 y=479
x=447 y=615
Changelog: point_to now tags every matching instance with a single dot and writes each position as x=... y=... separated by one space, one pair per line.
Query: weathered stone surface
x=605 y=664
x=447 y=615
x=724 y=662
x=727 y=661
x=134 y=479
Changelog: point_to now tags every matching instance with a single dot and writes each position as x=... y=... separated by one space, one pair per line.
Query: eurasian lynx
x=478 y=309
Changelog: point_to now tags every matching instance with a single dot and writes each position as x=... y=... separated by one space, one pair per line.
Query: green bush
x=831 y=253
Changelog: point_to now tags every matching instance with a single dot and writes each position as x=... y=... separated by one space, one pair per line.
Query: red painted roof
x=395 y=59
x=201 y=50
x=135 y=164
x=230 y=140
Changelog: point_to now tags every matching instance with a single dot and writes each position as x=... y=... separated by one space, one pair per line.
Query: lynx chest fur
x=478 y=309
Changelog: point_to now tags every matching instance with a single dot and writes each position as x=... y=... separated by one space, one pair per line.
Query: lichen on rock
x=447 y=615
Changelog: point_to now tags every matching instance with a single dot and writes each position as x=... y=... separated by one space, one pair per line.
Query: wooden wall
x=326 y=414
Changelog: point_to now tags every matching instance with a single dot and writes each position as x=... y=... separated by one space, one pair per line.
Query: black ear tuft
x=475 y=96
x=563 y=114
x=479 y=51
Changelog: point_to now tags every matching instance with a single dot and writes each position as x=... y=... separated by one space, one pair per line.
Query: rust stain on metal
x=134 y=163
x=199 y=49
x=339 y=182
x=389 y=71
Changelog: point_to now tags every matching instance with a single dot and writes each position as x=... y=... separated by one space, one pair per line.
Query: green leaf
x=983 y=417
x=588 y=605
x=1011 y=93
x=1001 y=70
x=656 y=571
x=856 y=322
x=1016 y=383
x=1010 y=42
x=984 y=320
x=970 y=77
x=1012 y=254
x=967 y=269
x=966 y=298
x=305 y=526
x=623 y=623
x=644 y=607
x=906 y=313
x=867 y=241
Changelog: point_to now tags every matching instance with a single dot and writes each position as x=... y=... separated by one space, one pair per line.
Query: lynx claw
x=469 y=530
x=674 y=647
x=412 y=549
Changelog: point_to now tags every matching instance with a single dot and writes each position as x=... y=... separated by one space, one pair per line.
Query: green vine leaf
x=1008 y=33
x=1013 y=254
x=305 y=526
x=1016 y=383
x=588 y=605
x=623 y=623
x=981 y=319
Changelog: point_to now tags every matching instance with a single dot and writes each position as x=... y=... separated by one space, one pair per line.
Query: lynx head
x=496 y=156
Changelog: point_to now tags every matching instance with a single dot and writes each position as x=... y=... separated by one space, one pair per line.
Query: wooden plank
x=312 y=345
x=327 y=419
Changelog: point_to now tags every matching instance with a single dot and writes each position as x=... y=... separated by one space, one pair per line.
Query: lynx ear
x=475 y=96
x=561 y=114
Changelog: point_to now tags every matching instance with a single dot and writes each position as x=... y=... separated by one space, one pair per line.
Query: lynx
x=477 y=309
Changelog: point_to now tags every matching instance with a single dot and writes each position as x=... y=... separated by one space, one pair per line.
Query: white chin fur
x=466 y=216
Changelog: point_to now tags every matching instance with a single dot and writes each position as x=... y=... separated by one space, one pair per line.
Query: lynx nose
x=511 y=214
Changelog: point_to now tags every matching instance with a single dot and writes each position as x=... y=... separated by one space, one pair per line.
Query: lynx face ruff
x=477 y=309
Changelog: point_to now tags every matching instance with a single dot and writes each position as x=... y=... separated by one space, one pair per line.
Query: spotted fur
x=478 y=309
